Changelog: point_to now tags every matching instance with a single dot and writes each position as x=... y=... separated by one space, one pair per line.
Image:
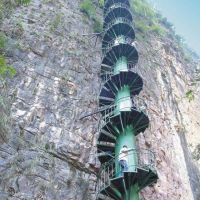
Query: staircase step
x=119 y=184
x=146 y=177
x=111 y=191
x=130 y=179
x=106 y=136
x=106 y=98
x=104 y=157
x=117 y=12
x=104 y=197
x=103 y=147
x=112 y=54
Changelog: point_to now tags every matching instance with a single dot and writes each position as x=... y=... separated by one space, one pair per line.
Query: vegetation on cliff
x=88 y=7
x=150 y=23
x=6 y=71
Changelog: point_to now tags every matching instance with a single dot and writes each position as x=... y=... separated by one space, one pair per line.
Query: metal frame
x=107 y=74
x=117 y=21
x=145 y=161
x=121 y=120
x=117 y=5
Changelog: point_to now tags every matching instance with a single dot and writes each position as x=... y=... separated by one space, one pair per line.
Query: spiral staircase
x=124 y=116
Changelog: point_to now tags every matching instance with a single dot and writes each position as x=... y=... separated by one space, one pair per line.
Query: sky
x=185 y=16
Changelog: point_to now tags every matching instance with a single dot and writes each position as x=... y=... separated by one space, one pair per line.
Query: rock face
x=50 y=153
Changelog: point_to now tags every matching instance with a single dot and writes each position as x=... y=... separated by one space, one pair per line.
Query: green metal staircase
x=125 y=115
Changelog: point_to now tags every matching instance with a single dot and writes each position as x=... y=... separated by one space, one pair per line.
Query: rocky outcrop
x=50 y=153
x=168 y=78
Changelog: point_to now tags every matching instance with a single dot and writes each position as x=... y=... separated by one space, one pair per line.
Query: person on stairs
x=123 y=159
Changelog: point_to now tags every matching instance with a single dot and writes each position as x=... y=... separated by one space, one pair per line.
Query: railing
x=116 y=21
x=131 y=66
x=137 y=104
x=112 y=2
x=117 y=5
x=117 y=41
x=143 y=159
x=110 y=111
x=121 y=39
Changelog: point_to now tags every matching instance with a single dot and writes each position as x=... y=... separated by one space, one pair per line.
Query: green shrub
x=141 y=26
x=166 y=23
x=6 y=70
x=2 y=41
x=98 y=26
x=23 y=2
x=5 y=101
x=147 y=19
x=88 y=8
x=156 y=28
x=6 y=7
x=190 y=95
x=101 y=3
x=55 y=23
x=143 y=8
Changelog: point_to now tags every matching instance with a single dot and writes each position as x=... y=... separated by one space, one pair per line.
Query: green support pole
x=127 y=137
x=121 y=65
x=123 y=99
x=132 y=193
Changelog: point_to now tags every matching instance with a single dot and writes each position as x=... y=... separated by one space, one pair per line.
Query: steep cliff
x=50 y=152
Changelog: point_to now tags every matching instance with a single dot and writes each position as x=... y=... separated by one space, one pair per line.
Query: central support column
x=123 y=99
x=127 y=137
x=121 y=65
x=132 y=193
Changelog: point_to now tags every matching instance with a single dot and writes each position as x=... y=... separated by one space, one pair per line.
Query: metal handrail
x=144 y=159
x=116 y=21
x=137 y=104
x=131 y=66
x=113 y=159
x=126 y=38
x=116 y=5
x=111 y=4
x=116 y=41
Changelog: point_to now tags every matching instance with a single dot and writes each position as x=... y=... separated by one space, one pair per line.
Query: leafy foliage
x=6 y=70
x=101 y=3
x=190 y=95
x=98 y=27
x=23 y=2
x=2 y=41
x=55 y=23
x=141 y=7
x=148 y=20
x=166 y=23
x=157 y=29
x=88 y=8
x=141 y=26
x=6 y=6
